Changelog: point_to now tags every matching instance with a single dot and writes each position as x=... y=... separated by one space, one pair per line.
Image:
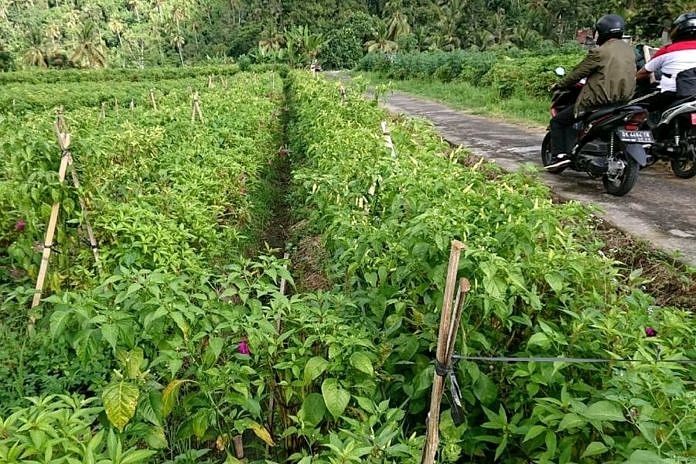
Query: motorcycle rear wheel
x=625 y=182
x=547 y=157
x=685 y=167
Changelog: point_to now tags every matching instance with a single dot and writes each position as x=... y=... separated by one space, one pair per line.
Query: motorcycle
x=609 y=142
x=674 y=132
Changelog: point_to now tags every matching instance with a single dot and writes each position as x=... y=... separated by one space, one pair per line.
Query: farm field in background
x=181 y=346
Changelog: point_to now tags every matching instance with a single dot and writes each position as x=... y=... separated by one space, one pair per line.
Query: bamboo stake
x=152 y=99
x=271 y=401
x=432 y=435
x=196 y=108
x=64 y=143
x=387 y=139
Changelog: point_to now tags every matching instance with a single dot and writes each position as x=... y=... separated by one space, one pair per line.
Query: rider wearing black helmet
x=610 y=73
x=672 y=59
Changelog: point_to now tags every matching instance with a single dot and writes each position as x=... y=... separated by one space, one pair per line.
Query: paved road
x=661 y=208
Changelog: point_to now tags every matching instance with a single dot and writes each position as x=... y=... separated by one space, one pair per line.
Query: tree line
x=140 y=33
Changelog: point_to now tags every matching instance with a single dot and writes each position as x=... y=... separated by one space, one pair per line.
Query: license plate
x=635 y=136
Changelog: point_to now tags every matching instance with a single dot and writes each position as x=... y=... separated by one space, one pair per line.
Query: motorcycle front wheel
x=624 y=182
x=547 y=157
x=685 y=166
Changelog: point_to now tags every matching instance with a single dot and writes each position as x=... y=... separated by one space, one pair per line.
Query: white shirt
x=672 y=59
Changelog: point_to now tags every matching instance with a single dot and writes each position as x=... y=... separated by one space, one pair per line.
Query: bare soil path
x=661 y=208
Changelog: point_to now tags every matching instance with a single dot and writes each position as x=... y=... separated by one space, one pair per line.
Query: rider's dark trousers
x=562 y=132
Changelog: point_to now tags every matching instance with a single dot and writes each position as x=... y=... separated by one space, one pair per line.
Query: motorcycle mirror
x=560 y=71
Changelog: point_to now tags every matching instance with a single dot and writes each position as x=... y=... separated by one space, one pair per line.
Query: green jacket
x=611 y=76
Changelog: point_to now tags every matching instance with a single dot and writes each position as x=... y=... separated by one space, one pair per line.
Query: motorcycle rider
x=610 y=70
x=670 y=60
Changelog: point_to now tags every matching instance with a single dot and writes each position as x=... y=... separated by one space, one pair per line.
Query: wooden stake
x=116 y=104
x=196 y=108
x=342 y=91
x=103 y=110
x=432 y=434
x=210 y=82
x=132 y=105
x=387 y=139
x=64 y=143
x=152 y=99
x=238 y=447
x=271 y=401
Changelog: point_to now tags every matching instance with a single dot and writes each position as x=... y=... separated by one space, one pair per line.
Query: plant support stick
x=432 y=434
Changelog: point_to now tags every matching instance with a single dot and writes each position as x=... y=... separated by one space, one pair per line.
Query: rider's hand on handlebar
x=555 y=87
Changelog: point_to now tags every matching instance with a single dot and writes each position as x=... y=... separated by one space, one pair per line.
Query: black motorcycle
x=609 y=142
x=674 y=131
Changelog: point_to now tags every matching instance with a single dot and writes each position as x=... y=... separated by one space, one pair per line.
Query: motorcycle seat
x=681 y=101
x=610 y=110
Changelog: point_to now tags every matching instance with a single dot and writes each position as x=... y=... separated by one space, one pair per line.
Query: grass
x=477 y=100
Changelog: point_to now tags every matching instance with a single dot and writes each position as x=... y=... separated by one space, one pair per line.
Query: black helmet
x=609 y=26
x=684 y=27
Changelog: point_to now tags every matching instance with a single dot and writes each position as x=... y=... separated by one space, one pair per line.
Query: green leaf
x=555 y=280
x=645 y=457
x=604 y=411
x=539 y=339
x=571 y=421
x=594 y=448
x=137 y=456
x=314 y=368
x=212 y=353
x=335 y=397
x=131 y=361
x=120 y=400
x=534 y=431
x=313 y=409
x=485 y=390
x=551 y=442
x=58 y=321
x=361 y=362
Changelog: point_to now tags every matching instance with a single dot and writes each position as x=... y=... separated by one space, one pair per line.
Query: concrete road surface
x=661 y=208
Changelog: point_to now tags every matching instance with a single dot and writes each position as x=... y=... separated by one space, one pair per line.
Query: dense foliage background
x=119 y=33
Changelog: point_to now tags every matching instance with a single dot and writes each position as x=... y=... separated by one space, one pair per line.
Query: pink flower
x=650 y=332
x=20 y=225
x=244 y=347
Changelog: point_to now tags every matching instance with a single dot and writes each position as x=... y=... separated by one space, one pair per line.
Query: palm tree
x=178 y=42
x=35 y=55
x=307 y=44
x=117 y=27
x=381 y=41
x=398 y=23
x=89 y=51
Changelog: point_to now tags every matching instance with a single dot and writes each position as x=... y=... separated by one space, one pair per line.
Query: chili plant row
x=540 y=287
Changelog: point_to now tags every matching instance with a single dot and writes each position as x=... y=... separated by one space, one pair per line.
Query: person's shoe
x=560 y=160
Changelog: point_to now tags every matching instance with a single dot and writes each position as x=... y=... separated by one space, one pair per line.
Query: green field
x=180 y=346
